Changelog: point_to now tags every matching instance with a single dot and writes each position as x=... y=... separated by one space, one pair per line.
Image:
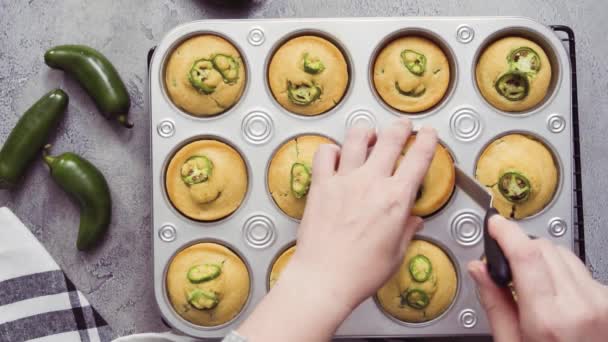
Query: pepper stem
x=45 y=155
x=122 y=119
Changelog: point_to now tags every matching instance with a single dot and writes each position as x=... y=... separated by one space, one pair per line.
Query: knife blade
x=498 y=265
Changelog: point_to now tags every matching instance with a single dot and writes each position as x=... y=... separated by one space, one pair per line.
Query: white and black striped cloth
x=37 y=300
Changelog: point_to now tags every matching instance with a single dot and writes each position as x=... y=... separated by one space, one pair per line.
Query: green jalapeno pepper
x=203 y=299
x=414 y=61
x=313 y=65
x=30 y=135
x=513 y=86
x=416 y=92
x=303 y=94
x=514 y=186
x=87 y=185
x=227 y=66
x=524 y=59
x=415 y=298
x=97 y=75
x=301 y=176
x=420 y=268
x=200 y=74
x=202 y=273
x=196 y=169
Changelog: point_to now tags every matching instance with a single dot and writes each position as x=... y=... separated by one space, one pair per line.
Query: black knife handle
x=498 y=265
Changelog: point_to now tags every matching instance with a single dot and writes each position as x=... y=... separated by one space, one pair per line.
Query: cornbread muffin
x=308 y=75
x=513 y=74
x=424 y=286
x=206 y=180
x=521 y=173
x=290 y=173
x=207 y=284
x=438 y=183
x=280 y=264
x=205 y=75
x=411 y=74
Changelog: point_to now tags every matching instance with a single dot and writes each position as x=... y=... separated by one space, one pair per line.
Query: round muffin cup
x=537 y=97
x=299 y=149
x=308 y=73
x=231 y=303
x=179 y=63
x=279 y=263
x=218 y=197
x=441 y=300
x=390 y=79
x=533 y=154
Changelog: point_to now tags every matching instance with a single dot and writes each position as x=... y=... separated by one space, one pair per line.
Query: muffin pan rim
x=543 y=42
x=452 y=257
x=416 y=31
x=166 y=56
x=365 y=320
x=320 y=34
x=171 y=155
x=222 y=243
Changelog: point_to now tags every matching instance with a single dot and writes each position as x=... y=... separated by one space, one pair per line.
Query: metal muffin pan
x=257 y=125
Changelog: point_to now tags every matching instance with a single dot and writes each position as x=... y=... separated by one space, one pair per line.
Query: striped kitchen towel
x=37 y=300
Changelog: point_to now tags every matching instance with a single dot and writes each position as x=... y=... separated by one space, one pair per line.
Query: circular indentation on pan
x=184 y=143
x=467 y=318
x=552 y=151
x=361 y=117
x=465 y=124
x=167 y=232
x=166 y=294
x=465 y=34
x=557 y=226
x=163 y=70
x=257 y=127
x=324 y=35
x=467 y=228
x=274 y=153
x=452 y=258
x=437 y=40
x=259 y=231
x=256 y=36
x=556 y=123
x=544 y=43
x=166 y=128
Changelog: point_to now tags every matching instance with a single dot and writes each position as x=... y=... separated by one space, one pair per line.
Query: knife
x=498 y=266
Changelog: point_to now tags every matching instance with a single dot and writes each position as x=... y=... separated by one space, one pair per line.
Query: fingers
x=531 y=276
x=389 y=146
x=416 y=162
x=574 y=264
x=354 y=149
x=413 y=225
x=324 y=162
x=498 y=304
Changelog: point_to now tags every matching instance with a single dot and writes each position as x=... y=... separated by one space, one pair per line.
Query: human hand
x=357 y=223
x=557 y=299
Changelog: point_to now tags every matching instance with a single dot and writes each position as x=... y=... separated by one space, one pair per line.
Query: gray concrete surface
x=117 y=277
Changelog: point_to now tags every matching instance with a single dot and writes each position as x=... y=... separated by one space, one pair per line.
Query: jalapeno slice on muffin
x=313 y=65
x=203 y=299
x=524 y=59
x=415 y=92
x=414 y=61
x=227 y=66
x=203 y=76
x=201 y=273
x=513 y=86
x=514 y=186
x=415 y=298
x=196 y=169
x=420 y=268
x=301 y=176
x=303 y=94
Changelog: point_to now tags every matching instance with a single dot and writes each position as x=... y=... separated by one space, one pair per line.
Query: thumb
x=498 y=304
